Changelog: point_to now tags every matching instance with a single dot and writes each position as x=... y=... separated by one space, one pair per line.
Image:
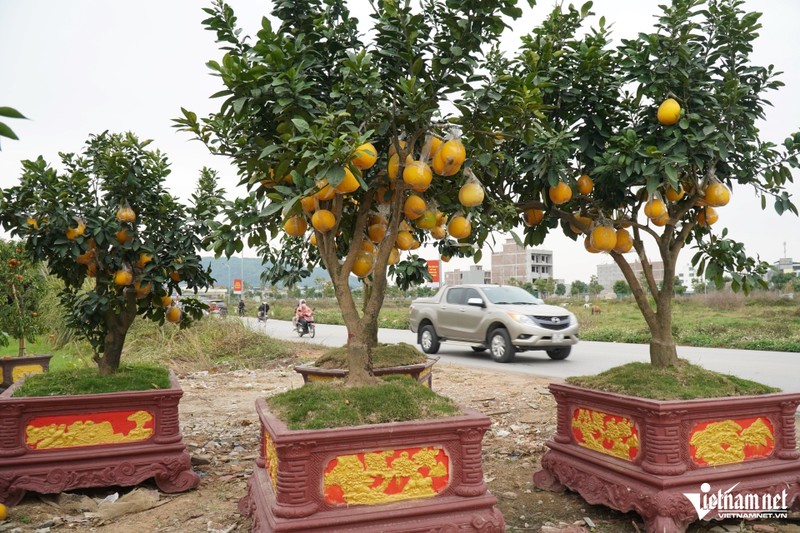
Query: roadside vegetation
x=720 y=319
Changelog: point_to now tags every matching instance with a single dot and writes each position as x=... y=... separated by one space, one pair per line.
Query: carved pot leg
x=545 y=480
x=12 y=497
x=664 y=524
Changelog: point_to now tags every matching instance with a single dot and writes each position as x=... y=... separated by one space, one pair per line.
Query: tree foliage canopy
x=105 y=225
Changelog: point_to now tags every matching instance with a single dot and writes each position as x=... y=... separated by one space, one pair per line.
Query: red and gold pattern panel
x=722 y=442
x=605 y=433
x=271 y=460
x=385 y=476
x=25 y=370
x=90 y=429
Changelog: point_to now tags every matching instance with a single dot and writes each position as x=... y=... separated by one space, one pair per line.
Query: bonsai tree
x=346 y=148
x=122 y=245
x=23 y=285
x=643 y=142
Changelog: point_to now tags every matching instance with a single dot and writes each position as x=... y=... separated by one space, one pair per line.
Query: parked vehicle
x=501 y=318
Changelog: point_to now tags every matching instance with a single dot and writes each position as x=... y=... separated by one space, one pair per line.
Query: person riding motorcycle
x=303 y=313
x=263 y=311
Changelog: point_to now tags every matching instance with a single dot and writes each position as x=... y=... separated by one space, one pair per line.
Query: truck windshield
x=510 y=295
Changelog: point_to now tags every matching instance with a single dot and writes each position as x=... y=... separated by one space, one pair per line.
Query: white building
x=520 y=263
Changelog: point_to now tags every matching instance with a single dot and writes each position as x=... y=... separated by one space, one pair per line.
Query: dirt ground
x=221 y=431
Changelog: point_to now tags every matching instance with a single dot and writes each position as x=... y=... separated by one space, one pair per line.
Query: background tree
x=117 y=239
x=621 y=288
x=23 y=286
x=561 y=289
x=617 y=146
x=594 y=286
x=782 y=280
x=346 y=135
x=578 y=287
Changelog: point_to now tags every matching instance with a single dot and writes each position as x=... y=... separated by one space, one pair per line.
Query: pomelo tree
x=639 y=143
x=22 y=283
x=348 y=144
x=119 y=241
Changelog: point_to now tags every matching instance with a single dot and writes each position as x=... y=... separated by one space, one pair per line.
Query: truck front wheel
x=500 y=346
x=428 y=339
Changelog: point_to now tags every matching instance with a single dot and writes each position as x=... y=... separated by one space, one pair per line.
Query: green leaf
x=5 y=131
x=300 y=124
x=10 y=112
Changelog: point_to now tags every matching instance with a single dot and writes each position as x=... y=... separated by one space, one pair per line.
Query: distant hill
x=225 y=271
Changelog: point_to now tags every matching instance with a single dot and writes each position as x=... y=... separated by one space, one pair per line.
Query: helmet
x=302 y=302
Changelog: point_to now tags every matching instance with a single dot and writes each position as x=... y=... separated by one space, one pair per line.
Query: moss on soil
x=383 y=356
x=329 y=405
x=682 y=382
x=70 y=381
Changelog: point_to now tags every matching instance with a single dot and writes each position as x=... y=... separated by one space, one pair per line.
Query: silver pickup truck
x=503 y=318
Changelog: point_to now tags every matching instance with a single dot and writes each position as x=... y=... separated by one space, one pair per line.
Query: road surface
x=778 y=369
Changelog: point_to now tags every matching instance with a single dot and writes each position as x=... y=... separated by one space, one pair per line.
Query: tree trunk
x=662 y=345
x=117 y=326
x=21 y=352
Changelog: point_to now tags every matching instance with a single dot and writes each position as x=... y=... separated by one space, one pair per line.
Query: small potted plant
x=124 y=248
x=22 y=284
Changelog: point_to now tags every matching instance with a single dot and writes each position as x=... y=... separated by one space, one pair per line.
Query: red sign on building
x=237 y=286
x=433 y=270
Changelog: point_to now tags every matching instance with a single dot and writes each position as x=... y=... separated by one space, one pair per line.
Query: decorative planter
x=422 y=372
x=14 y=368
x=674 y=462
x=409 y=477
x=56 y=443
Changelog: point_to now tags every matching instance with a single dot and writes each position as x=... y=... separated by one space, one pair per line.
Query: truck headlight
x=522 y=319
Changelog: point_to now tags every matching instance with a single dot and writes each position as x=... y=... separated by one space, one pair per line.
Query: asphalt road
x=779 y=369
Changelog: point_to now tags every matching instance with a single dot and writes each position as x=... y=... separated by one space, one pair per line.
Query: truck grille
x=552 y=322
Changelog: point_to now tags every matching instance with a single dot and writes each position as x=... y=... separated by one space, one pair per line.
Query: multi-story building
x=476 y=274
x=609 y=273
x=520 y=263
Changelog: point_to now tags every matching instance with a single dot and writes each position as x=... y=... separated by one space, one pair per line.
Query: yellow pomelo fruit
x=560 y=194
x=669 y=112
x=459 y=227
x=673 y=195
x=418 y=175
x=585 y=184
x=531 y=217
x=471 y=194
x=365 y=156
x=655 y=208
x=323 y=220
x=404 y=240
x=624 y=241
x=717 y=195
x=295 y=226
x=414 y=207
x=123 y=277
x=604 y=238
x=348 y=184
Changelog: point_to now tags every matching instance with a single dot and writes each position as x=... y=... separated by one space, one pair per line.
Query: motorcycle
x=262 y=316
x=298 y=327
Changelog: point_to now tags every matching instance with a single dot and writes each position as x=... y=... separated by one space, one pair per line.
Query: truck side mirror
x=477 y=302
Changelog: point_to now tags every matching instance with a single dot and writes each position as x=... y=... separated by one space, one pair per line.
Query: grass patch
x=682 y=382
x=330 y=405
x=208 y=343
x=89 y=381
x=383 y=356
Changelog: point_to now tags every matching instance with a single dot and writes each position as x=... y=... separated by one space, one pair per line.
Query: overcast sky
x=85 y=66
